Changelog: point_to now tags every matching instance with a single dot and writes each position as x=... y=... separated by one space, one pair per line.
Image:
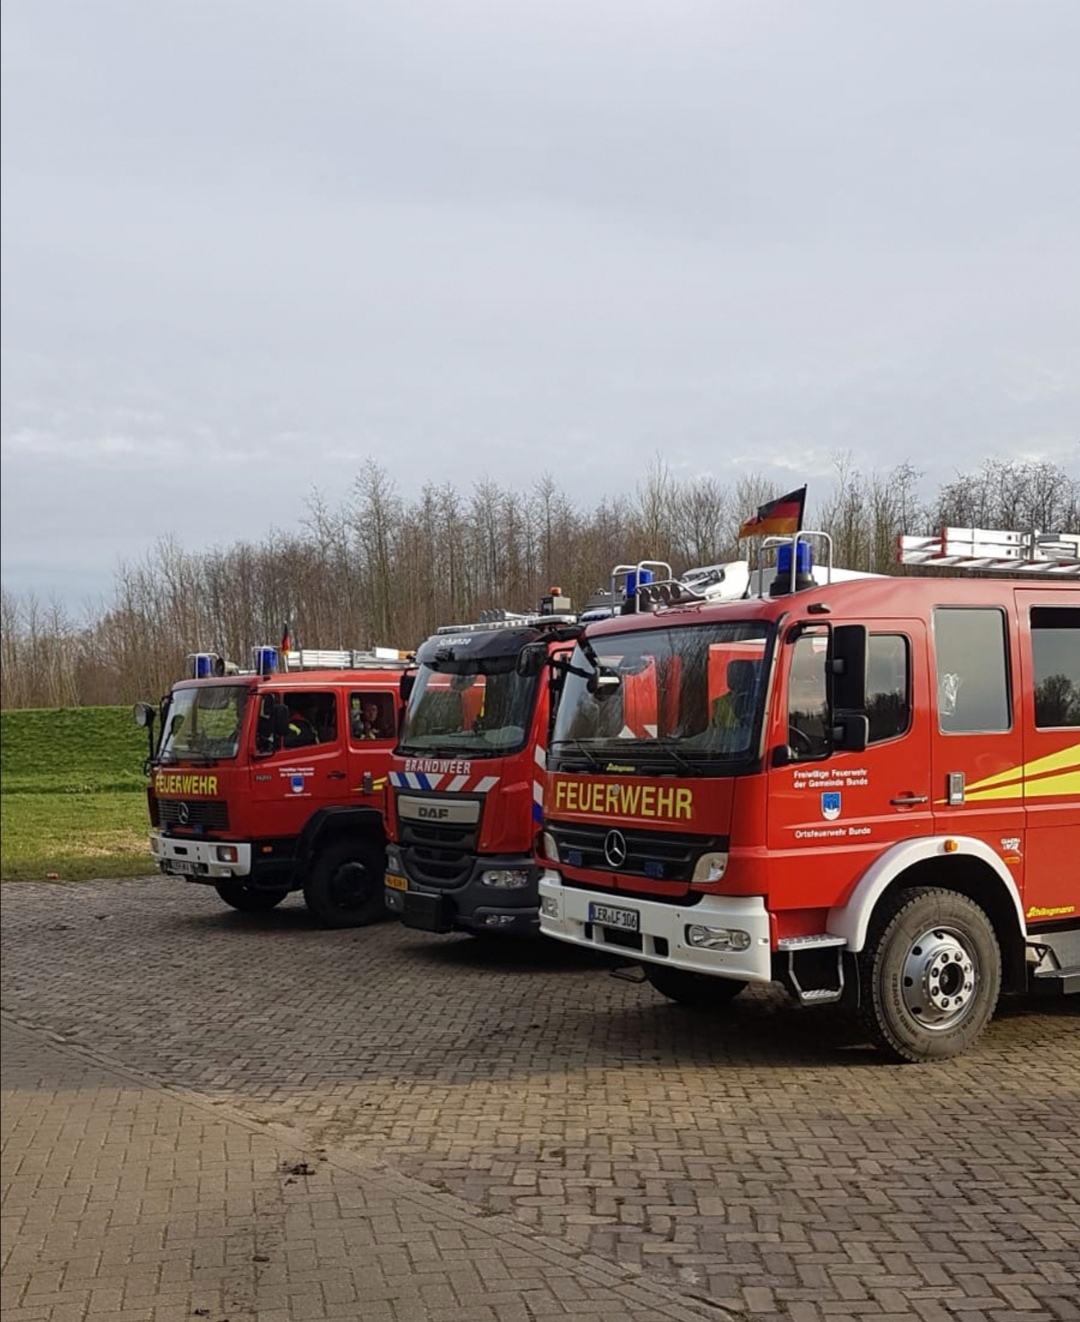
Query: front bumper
x=199 y=860
x=471 y=906
x=661 y=933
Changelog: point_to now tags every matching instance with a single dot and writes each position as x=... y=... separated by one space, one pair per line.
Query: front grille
x=438 y=853
x=657 y=855
x=210 y=814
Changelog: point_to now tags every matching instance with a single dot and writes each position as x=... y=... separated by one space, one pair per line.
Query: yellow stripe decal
x=1059 y=773
x=1066 y=759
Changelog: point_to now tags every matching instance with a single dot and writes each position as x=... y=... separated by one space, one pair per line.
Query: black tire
x=697 y=989
x=345 y=884
x=930 y=976
x=242 y=897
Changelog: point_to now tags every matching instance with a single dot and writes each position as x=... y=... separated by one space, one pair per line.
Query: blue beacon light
x=803 y=568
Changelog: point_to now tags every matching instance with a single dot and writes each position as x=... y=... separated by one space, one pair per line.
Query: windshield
x=481 y=707
x=203 y=724
x=687 y=696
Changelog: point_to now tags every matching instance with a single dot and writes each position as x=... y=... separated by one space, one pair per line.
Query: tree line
x=381 y=570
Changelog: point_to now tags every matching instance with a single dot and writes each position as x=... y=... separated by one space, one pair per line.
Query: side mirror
x=531 y=660
x=143 y=715
x=279 y=721
x=405 y=685
x=851 y=731
x=847 y=668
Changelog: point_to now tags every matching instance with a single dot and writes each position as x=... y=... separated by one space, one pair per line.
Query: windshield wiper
x=578 y=746
x=449 y=750
x=669 y=746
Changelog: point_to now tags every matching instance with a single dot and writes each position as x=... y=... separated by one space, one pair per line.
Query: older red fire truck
x=865 y=789
x=269 y=781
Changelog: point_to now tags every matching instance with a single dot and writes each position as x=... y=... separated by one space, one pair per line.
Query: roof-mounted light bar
x=509 y=622
x=1047 y=555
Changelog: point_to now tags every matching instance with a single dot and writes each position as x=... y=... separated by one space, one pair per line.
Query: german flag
x=285 y=640
x=777 y=517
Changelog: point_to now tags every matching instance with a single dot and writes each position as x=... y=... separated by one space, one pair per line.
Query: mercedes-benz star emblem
x=183 y=814
x=615 y=849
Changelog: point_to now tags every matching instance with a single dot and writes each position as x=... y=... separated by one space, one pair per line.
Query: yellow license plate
x=396 y=883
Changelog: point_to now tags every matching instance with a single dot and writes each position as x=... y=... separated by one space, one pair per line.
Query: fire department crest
x=830 y=805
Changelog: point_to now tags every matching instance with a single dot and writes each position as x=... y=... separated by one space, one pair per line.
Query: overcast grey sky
x=248 y=244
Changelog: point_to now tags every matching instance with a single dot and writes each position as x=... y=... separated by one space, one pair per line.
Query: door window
x=371 y=716
x=972 y=672
x=1055 y=659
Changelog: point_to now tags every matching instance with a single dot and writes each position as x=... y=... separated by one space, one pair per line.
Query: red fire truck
x=269 y=781
x=866 y=789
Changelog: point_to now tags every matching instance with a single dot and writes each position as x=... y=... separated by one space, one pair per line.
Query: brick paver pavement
x=761 y=1159
x=127 y=1202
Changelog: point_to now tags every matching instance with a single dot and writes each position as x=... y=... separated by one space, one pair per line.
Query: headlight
x=548 y=848
x=710 y=867
x=226 y=853
x=717 y=938
x=505 y=879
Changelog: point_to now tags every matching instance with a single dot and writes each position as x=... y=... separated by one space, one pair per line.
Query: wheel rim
x=349 y=886
x=940 y=978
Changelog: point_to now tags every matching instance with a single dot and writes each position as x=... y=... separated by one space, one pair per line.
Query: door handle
x=335 y=775
x=909 y=800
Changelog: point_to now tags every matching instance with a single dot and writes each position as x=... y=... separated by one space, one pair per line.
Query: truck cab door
x=839 y=808
x=978 y=733
x=1049 y=625
x=372 y=734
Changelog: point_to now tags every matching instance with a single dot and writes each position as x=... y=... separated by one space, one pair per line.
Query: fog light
x=498 y=919
x=226 y=853
x=717 y=938
x=505 y=879
x=549 y=906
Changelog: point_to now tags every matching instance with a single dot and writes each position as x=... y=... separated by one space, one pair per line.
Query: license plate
x=188 y=867
x=608 y=915
x=396 y=883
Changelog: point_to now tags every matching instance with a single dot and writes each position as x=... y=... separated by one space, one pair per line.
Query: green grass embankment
x=72 y=795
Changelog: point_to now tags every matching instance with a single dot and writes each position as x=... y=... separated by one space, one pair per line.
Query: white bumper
x=564 y=914
x=199 y=858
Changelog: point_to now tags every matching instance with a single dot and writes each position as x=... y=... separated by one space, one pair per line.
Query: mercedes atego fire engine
x=867 y=790
x=269 y=781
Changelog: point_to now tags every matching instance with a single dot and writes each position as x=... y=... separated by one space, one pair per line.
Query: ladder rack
x=1046 y=555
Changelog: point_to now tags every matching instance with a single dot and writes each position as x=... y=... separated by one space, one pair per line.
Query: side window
x=312 y=719
x=371 y=716
x=1055 y=660
x=888 y=686
x=971 y=670
x=807 y=715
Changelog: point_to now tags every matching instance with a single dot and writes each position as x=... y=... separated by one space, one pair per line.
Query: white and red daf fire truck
x=467 y=779
x=273 y=780
x=467 y=775
x=864 y=788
